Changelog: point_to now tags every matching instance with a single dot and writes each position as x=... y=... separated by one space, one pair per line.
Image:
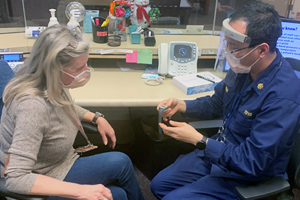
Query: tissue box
x=196 y=83
x=87 y=22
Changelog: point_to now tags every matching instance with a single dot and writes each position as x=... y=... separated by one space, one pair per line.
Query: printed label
x=101 y=33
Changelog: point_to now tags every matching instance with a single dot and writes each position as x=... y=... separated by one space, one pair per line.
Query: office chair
x=5 y=193
x=6 y=73
x=277 y=185
x=295 y=63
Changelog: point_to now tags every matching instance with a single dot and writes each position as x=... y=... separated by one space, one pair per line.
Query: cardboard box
x=196 y=83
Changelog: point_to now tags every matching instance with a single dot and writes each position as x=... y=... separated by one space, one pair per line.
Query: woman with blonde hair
x=40 y=122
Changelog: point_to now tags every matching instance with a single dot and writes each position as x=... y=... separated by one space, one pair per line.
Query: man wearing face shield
x=259 y=106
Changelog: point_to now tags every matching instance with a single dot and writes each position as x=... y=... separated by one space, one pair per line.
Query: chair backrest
x=295 y=63
x=6 y=73
x=293 y=169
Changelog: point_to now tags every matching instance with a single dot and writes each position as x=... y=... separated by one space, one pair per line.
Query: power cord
x=155 y=81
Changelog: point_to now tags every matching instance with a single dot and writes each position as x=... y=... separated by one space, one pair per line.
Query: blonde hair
x=40 y=75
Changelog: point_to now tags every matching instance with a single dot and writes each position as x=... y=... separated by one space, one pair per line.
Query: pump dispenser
x=73 y=23
x=53 y=19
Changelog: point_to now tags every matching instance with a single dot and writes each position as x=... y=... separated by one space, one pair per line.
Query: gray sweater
x=39 y=138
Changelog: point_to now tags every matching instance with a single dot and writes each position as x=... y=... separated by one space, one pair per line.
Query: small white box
x=194 y=28
x=34 y=31
x=196 y=83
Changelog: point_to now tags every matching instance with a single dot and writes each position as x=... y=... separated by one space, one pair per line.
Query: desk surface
x=116 y=88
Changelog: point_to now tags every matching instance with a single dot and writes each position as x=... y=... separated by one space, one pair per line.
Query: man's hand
x=174 y=106
x=182 y=131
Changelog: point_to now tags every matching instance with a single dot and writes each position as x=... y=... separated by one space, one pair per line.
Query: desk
x=112 y=87
x=116 y=88
x=16 y=42
x=208 y=44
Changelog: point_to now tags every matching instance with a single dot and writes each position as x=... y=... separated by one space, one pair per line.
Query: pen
x=105 y=23
x=93 y=21
x=207 y=79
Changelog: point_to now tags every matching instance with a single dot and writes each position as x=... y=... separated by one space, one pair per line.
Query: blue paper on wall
x=87 y=22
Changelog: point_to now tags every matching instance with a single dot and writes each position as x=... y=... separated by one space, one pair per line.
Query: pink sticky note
x=132 y=57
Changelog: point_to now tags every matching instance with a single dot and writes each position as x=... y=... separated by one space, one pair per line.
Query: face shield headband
x=239 y=37
x=233 y=34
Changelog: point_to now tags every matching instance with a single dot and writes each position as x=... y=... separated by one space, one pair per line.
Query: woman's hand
x=174 y=106
x=45 y=185
x=94 y=192
x=182 y=131
x=105 y=130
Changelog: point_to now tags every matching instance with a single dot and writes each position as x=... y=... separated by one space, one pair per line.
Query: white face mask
x=79 y=80
x=235 y=63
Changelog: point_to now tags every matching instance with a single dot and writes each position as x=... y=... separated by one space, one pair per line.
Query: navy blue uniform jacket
x=260 y=133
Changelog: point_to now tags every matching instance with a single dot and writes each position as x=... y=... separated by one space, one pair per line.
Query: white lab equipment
x=75 y=11
x=14 y=59
x=177 y=58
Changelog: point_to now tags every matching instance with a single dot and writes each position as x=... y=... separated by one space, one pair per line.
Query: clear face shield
x=231 y=43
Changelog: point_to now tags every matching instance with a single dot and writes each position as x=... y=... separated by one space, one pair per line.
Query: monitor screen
x=182 y=51
x=11 y=57
x=289 y=42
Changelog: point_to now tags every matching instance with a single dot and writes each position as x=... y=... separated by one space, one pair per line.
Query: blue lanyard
x=234 y=107
x=235 y=104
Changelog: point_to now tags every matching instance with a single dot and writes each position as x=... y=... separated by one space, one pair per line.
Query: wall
x=295 y=10
x=280 y=5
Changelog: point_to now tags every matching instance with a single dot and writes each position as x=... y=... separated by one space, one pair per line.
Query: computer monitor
x=289 y=42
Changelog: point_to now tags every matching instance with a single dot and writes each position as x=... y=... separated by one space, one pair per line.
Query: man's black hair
x=263 y=23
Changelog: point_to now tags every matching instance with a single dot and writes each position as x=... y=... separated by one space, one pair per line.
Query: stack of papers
x=150 y=72
x=196 y=83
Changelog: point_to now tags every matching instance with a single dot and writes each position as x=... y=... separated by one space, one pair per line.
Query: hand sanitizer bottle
x=53 y=19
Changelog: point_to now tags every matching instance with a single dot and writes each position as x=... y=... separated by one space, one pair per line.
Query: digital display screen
x=182 y=51
x=11 y=57
x=289 y=42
